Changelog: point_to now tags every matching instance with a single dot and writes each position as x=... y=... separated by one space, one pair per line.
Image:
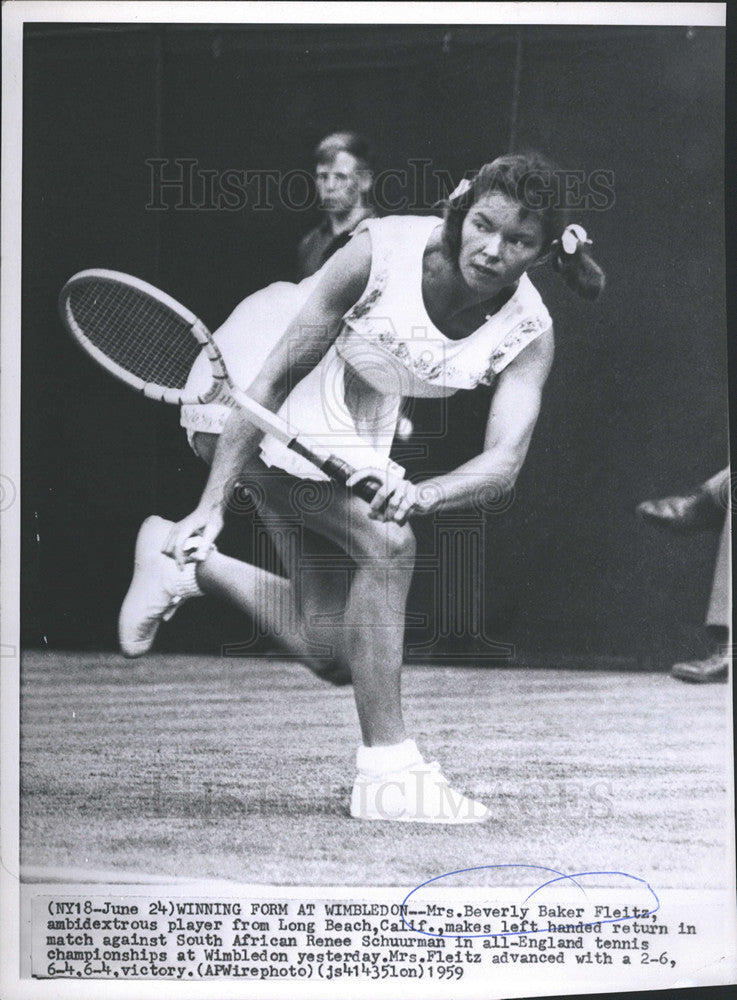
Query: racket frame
x=159 y=393
x=222 y=384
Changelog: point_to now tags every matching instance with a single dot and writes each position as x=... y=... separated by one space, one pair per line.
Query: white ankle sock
x=384 y=759
x=187 y=585
x=188 y=575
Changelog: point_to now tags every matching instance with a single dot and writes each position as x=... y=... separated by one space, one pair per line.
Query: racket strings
x=136 y=331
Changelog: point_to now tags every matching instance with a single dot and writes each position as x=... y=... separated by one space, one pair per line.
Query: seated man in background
x=344 y=177
x=706 y=508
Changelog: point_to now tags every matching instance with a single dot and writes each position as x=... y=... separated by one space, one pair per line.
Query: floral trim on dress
x=518 y=338
x=426 y=369
x=369 y=297
x=430 y=370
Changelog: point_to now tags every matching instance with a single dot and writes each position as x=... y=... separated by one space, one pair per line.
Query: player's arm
x=316 y=326
x=304 y=343
x=514 y=411
x=512 y=418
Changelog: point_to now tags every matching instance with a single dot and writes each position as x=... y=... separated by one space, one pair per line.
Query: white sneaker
x=157 y=590
x=418 y=794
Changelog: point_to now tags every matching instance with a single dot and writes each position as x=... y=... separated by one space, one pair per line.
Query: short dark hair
x=521 y=177
x=345 y=142
x=526 y=179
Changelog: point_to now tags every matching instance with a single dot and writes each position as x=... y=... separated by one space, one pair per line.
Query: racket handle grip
x=341 y=472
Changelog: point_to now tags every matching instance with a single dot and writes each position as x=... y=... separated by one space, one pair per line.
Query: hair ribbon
x=572 y=237
x=459 y=191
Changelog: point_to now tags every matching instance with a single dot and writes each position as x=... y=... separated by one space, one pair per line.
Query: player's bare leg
x=360 y=638
x=272 y=602
x=393 y=780
x=159 y=588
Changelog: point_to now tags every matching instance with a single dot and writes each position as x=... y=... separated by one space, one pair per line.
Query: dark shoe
x=713 y=670
x=683 y=515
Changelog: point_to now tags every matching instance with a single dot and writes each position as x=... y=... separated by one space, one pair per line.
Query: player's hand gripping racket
x=148 y=340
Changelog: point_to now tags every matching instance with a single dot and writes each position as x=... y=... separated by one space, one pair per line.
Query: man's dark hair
x=345 y=142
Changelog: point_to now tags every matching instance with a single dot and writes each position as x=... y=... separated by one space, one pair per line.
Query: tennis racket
x=148 y=340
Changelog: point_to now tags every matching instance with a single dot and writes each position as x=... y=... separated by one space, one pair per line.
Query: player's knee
x=391 y=541
x=402 y=543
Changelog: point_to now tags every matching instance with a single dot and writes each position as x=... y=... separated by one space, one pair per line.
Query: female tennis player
x=411 y=306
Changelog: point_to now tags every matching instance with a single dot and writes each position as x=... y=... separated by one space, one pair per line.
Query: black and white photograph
x=366 y=501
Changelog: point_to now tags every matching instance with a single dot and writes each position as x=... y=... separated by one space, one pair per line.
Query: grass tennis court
x=241 y=769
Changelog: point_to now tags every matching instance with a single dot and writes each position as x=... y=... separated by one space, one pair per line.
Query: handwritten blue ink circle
x=559 y=876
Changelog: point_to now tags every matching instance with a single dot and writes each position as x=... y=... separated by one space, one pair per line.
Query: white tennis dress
x=387 y=348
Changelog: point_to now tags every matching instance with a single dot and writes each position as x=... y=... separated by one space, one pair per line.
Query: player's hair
x=529 y=179
x=345 y=142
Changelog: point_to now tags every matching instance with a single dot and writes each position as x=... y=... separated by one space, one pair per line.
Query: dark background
x=636 y=405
